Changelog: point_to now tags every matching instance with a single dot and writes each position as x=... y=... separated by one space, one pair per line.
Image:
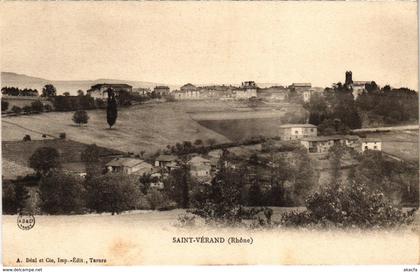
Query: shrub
x=80 y=117
x=17 y=110
x=185 y=220
x=349 y=205
x=113 y=192
x=159 y=201
x=47 y=108
x=9 y=198
x=4 y=105
x=62 y=135
x=62 y=193
x=27 y=138
x=37 y=106
x=27 y=109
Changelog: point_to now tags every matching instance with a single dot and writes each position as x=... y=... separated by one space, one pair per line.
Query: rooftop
x=331 y=137
x=302 y=85
x=111 y=85
x=371 y=140
x=126 y=162
x=198 y=160
x=297 y=126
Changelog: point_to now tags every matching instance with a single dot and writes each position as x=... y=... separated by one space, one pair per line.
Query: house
x=188 y=88
x=129 y=166
x=371 y=144
x=247 y=90
x=200 y=167
x=297 y=131
x=273 y=93
x=161 y=90
x=100 y=91
x=167 y=162
x=298 y=87
x=142 y=91
x=322 y=144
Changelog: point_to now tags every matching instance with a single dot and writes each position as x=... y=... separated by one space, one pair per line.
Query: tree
x=62 y=193
x=44 y=159
x=255 y=196
x=9 y=198
x=4 y=105
x=66 y=94
x=48 y=108
x=49 y=91
x=27 y=138
x=111 y=110
x=80 y=93
x=37 y=106
x=21 y=195
x=113 y=192
x=211 y=141
x=178 y=184
x=80 y=117
x=92 y=162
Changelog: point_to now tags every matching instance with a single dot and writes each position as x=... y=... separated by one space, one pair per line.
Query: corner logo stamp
x=26 y=222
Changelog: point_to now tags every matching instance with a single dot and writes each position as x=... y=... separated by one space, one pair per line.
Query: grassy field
x=152 y=126
x=403 y=144
x=144 y=127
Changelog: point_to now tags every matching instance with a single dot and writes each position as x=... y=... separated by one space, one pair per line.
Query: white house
x=371 y=144
x=322 y=144
x=297 y=131
x=200 y=167
x=130 y=166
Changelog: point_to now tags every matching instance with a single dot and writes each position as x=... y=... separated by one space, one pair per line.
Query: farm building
x=322 y=144
x=188 y=91
x=273 y=93
x=371 y=144
x=130 y=166
x=167 y=162
x=161 y=90
x=297 y=131
x=99 y=91
x=199 y=167
x=247 y=90
x=142 y=91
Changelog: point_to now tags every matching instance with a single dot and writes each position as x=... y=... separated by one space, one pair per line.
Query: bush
x=62 y=193
x=159 y=201
x=37 y=106
x=9 y=198
x=48 y=108
x=17 y=110
x=185 y=220
x=27 y=138
x=80 y=117
x=349 y=205
x=4 y=105
x=113 y=192
x=62 y=135
x=27 y=109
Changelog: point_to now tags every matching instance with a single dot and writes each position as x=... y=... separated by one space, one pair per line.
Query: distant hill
x=72 y=86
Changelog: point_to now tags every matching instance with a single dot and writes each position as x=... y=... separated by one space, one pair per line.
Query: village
x=199 y=158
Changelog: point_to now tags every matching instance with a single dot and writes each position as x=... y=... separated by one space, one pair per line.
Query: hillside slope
x=143 y=127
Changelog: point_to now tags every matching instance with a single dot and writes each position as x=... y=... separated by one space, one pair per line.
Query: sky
x=212 y=42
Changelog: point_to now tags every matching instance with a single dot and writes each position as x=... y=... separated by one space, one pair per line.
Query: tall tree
x=111 y=110
x=44 y=159
x=49 y=90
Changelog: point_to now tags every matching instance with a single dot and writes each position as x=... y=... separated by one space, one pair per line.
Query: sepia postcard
x=209 y=133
